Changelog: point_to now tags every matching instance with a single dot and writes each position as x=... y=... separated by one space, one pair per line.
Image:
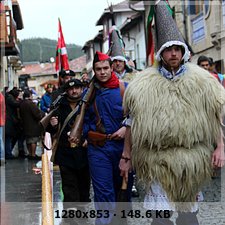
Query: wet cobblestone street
x=21 y=198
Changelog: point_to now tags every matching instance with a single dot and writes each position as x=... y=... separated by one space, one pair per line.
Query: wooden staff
x=47 y=208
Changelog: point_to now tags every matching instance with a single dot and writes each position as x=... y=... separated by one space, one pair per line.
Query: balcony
x=8 y=27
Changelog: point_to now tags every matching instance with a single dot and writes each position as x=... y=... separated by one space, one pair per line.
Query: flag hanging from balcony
x=62 y=62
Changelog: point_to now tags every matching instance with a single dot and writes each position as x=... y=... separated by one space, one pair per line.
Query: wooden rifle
x=77 y=127
x=54 y=106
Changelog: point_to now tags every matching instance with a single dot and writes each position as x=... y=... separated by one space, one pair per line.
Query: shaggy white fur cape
x=175 y=124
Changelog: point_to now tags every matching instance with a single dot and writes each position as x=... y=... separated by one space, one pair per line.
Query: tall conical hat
x=167 y=33
x=116 y=45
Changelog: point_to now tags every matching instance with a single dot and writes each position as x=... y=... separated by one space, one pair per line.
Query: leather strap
x=68 y=118
x=122 y=88
x=99 y=126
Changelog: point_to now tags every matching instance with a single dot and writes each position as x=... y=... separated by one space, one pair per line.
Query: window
x=198 y=28
x=196 y=7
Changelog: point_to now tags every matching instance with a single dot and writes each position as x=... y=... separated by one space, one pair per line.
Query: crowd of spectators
x=20 y=116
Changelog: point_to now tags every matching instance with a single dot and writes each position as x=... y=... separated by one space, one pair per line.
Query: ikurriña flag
x=61 y=52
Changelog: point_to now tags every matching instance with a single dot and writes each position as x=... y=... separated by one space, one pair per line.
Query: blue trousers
x=106 y=180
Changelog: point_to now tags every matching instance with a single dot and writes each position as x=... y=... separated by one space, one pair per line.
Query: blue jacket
x=109 y=105
x=46 y=102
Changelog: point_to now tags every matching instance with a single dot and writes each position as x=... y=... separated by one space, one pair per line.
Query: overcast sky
x=78 y=18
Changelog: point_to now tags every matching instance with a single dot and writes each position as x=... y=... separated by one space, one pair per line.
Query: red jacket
x=2 y=110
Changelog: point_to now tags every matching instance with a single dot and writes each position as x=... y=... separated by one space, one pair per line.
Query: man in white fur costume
x=176 y=111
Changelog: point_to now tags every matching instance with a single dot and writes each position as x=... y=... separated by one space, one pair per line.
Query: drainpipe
x=9 y=71
x=185 y=21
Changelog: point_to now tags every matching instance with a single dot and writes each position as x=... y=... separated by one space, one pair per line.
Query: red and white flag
x=61 y=61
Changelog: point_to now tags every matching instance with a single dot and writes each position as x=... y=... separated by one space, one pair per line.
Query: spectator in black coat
x=12 y=127
x=31 y=115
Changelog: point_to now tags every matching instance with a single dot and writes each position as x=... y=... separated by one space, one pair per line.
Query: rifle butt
x=46 y=119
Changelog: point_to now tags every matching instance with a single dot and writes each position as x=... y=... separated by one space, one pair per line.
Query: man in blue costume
x=105 y=134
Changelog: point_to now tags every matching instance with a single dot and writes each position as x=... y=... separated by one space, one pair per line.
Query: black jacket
x=75 y=158
x=13 y=124
x=31 y=116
